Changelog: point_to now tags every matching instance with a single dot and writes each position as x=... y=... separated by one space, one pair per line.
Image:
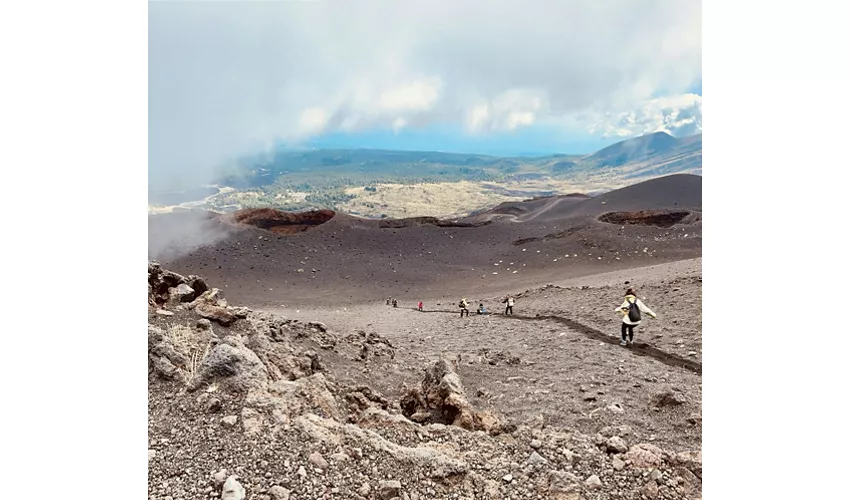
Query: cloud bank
x=226 y=79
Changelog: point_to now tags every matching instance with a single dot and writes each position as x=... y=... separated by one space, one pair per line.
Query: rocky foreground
x=242 y=406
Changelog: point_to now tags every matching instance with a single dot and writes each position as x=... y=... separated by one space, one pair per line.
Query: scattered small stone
x=318 y=460
x=615 y=408
x=507 y=478
x=650 y=490
x=151 y=455
x=616 y=444
x=655 y=475
x=279 y=493
x=389 y=489
x=214 y=406
x=593 y=482
x=536 y=444
x=563 y=485
x=618 y=464
x=232 y=490
x=364 y=490
x=536 y=459
x=229 y=421
x=644 y=455
x=218 y=478
x=302 y=471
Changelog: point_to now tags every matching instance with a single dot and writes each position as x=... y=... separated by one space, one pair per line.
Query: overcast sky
x=501 y=77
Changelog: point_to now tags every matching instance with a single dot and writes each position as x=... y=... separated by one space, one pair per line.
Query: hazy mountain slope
x=637 y=149
x=378 y=183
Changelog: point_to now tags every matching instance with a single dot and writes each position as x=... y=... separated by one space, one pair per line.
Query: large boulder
x=282 y=360
x=234 y=365
x=665 y=399
x=166 y=285
x=692 y=460
x=172 y=279
x=441 y=399
x=157 y=288
x=645 y=456
x=197 y=283
x=285 y=399
x=220 y=315
x=182 y=293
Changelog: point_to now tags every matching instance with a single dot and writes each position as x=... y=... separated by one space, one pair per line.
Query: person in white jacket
x=509 y=305
x=632 y=315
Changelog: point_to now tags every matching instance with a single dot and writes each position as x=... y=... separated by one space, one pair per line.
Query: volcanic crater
x=658 y=218
x=281 y=222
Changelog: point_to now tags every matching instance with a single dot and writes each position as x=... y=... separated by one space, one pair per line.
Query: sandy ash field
x=552 y=376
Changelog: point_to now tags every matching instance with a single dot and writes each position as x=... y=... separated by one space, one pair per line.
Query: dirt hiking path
x=544 y=365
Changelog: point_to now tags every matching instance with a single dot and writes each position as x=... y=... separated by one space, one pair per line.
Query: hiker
x=464 y=307
x=389 y=300
x=509 y=305
x=395 y=303
x=631 y=310
x=481 y=309
x=420 y=305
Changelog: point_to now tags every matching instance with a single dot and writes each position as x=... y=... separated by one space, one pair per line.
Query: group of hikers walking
x=632 y=309
x=464 y=306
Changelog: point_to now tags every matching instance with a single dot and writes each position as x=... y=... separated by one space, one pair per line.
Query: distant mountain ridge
x=645 y=156
x=639 y=158
x=636 y=149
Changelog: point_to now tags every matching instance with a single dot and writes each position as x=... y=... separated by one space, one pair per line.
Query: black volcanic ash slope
x=349 y=260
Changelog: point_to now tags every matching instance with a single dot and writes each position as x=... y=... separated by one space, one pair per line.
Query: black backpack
x=634 y=311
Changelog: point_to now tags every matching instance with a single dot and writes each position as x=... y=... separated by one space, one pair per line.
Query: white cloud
x=399 y=124
x=415 y=97
x=312 y=121
x=507 y=111
x=478 y=117
x=224 y=77
x=679 y=115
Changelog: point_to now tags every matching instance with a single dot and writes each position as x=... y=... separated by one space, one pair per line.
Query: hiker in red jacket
x=420 y=305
